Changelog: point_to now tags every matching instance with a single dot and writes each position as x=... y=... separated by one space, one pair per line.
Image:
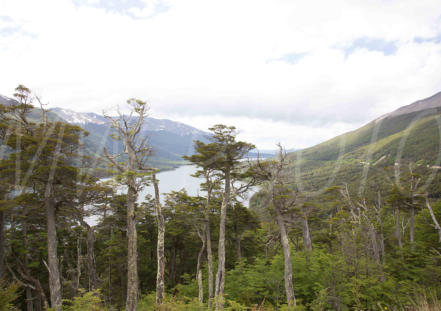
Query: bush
x=8 y=293
x=148 y=303
x=86 y=301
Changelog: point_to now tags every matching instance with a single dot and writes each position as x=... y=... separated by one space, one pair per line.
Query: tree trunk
x=435 y=222
x=90 y=246
x=220 y=276
x=398 y=227
x=91 y=268
x=382 y=248
x=209 y=252
x=160 y=247
x=412 y=210
x=76 y=282
x=238 y=247
x=29 y=300
x=307 y=243
x=381 y=234
x=375 y=249
x=199 y=269
x=287 y=259
x=54 y=272
x=40 y=292
x=132 y=254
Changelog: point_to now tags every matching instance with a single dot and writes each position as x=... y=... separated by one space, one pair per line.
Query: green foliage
x=85 y=301
x=8 y=294
x=147 y=303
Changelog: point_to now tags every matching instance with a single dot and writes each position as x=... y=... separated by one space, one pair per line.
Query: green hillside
x=402 y=139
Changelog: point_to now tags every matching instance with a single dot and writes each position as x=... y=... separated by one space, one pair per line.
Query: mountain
x=151 y=124
x=410 y=134
x=6 y=100
x=424 y=104
x=34 y=115
x=170 y=140
x=79 y=118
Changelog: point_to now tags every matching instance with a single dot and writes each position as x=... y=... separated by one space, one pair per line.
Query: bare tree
x=435 y=221
x=203 y=237
x=281 y=198
x=160 y=275
x=132 y=172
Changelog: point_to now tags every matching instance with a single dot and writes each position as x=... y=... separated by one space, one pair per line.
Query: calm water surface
x=173 y=180
x=179 y=179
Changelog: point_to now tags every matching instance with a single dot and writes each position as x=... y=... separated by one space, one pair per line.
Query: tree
x=282 y=199
x=226 y=154
x=13 y=124
x=132 y=173
x=187 y=221
x=43 y=162
x=203 y=158
x=160 y=276
x=396 y=200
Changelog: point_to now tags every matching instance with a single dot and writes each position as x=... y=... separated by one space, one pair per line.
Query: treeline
x=69 y=241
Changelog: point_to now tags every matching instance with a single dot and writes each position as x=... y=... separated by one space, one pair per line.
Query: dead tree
x=281 y=199
x=132 y=172
x=160 y=275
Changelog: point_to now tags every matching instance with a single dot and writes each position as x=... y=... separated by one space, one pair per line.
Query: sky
x=288 y=71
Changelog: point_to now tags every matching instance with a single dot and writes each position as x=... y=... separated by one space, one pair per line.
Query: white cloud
x=205 y=58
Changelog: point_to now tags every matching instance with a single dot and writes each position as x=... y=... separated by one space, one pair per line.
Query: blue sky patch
x=436 y=39
x=371 y=44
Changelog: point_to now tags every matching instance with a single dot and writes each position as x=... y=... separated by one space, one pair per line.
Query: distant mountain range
x=151 y=124
x=170 y=140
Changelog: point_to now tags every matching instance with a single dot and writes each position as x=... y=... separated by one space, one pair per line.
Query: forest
x=368 y=239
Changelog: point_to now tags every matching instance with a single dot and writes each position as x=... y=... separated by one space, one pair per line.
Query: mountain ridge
x=151 y=124
x=170 y=140
x=430 y=102
x=406 y=136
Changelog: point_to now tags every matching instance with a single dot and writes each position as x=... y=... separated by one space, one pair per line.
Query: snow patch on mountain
x=151 y=124
x=79 y=117
x=4 y=100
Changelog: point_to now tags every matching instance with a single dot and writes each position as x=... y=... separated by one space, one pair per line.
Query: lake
x=177 y=179
x=173 y=180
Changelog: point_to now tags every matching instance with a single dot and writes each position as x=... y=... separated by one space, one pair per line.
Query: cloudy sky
x=293 y=71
